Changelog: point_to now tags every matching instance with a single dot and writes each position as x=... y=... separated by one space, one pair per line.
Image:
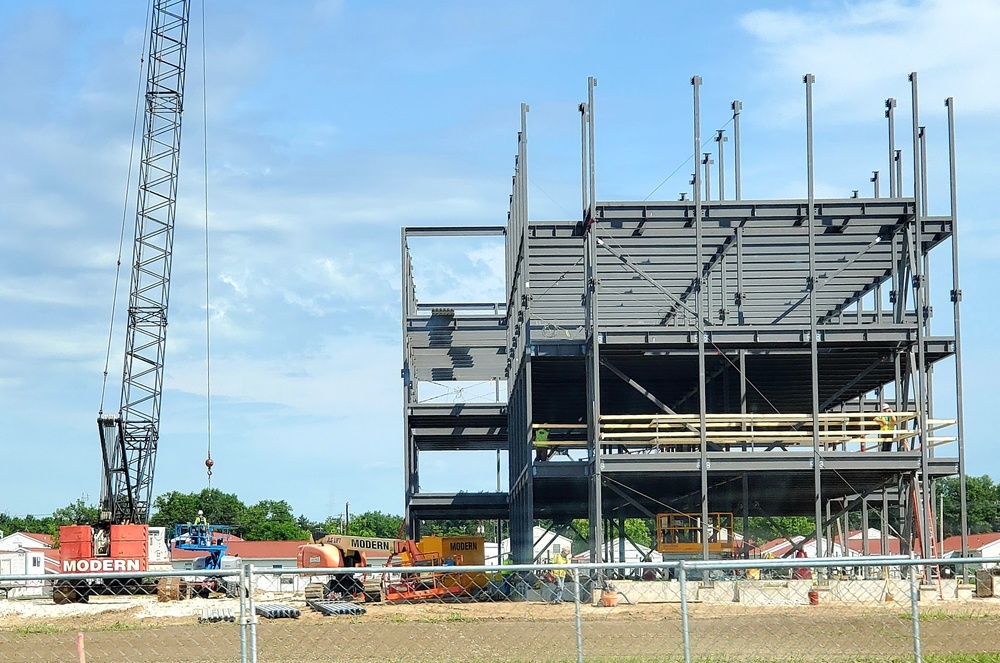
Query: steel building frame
x=699 y=355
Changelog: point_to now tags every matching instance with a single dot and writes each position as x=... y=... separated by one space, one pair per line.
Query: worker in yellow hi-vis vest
x=886 y=424
x=560 y=575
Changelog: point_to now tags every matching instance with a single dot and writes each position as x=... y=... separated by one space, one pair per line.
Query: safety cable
x=643 y=495
x=128 y=190
x=684 y=163
x=445 y=386
x=546 y=324
x=546 y=193
x=664 y=504
x=454 y=391
x=208 y=309
x=699 y=325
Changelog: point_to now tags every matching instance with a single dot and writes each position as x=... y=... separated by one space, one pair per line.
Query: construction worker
x=506 y=576
x=559 y=575
x=201 y=526
x=886 y=424
x=542 y=450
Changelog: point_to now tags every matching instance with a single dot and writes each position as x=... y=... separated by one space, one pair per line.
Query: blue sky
x=332 y=124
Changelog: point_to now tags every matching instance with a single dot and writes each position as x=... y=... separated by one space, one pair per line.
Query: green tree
x=175 y=508
x=77 y=513
x=375 y=523
x=10 y=524
x=761 y=529
x=271 y=520
x=451 y=527
x=333 y=525
x=637 y=530
x=982 y=499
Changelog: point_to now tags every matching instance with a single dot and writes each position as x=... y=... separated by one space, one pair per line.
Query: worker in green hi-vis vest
x=542 y=450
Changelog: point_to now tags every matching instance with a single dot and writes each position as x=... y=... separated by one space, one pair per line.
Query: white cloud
x=336 y=379
x=57 y=344
x=858 y=50
x=455 y=269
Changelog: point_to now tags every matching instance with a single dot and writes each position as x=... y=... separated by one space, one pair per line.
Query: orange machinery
x=439 y=552
x=86 y=549
x=434 y=552
x=339 y=586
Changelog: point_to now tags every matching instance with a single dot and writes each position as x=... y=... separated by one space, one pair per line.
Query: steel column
x=956 y=299
x=890 y=111
x=409 y=390
x=809 y=79
x=707 y=163
x=920 y=304
x=721 y=139
x=737 y=106
x=701 y=331
x=593 y=322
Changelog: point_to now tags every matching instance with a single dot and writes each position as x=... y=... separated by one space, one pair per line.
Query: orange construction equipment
x=336 y=551
x=421 y=586
x=86 y=549
x=337 y=586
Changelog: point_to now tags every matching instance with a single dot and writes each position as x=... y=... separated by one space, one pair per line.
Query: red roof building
x=854 y=544
x=275 y=554
x=980 y=545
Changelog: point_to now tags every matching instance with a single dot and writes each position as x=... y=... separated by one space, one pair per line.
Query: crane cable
x=121 y=236
x=208 y=311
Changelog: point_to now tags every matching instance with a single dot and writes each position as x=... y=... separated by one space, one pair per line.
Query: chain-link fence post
x=915 y=611
x=252 y=617
x=685 y=634
x=576 y=609
x=243 y=614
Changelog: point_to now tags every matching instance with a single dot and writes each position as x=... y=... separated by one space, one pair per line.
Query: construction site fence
x=870 y=609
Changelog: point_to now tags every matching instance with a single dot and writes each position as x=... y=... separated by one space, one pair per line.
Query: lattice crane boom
x=129 y=439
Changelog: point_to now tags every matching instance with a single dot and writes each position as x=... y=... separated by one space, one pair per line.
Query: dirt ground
x=117 y=629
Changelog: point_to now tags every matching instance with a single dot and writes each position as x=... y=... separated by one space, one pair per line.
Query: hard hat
x=200 y=512
x=886 y=408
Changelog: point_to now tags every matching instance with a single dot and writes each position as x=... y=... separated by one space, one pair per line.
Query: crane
x=129 y=438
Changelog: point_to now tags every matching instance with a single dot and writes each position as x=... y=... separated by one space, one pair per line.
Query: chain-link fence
x=838 y=609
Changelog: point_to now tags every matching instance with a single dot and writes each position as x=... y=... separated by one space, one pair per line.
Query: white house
x=777 y=548
x=18 y=540
x=29 y=554
x=547 y=544
x=980 y=545
x=633 y=553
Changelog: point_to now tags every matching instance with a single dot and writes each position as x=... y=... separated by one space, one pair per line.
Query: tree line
x=274 y=520
x=267 y=520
